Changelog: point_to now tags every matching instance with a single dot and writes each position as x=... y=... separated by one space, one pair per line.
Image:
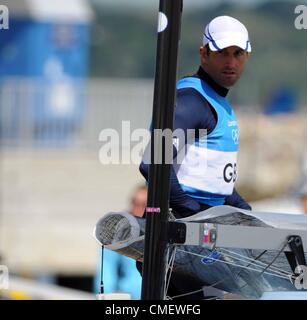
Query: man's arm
x=192 y=112
x=181 y=203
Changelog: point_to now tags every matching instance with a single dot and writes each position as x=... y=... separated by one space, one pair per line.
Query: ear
x=203 y=54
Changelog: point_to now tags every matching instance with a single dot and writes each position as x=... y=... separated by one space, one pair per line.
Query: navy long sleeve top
x=193 y=111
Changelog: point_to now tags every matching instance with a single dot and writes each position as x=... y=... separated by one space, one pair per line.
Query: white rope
x=166 y=273
x=187 y=293
x=256 y=263
x=170 y=266
x=233 y=264
x=252 y=260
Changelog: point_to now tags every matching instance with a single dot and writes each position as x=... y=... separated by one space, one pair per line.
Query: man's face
x=226 y=66
x=138 y=203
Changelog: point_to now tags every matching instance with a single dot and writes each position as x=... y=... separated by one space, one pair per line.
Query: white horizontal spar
x=211 y=236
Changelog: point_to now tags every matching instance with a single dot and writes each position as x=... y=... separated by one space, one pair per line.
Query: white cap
x=225 y=31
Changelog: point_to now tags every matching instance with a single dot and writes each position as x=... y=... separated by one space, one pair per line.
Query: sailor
x=202 y=105
x=206 y=174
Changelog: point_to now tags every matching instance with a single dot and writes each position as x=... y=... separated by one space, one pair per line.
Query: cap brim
x=229 y=42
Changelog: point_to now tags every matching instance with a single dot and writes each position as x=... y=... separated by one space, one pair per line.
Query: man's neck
x=203 y=75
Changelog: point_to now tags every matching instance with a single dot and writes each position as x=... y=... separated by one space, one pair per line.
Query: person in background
x=119 y=272
x=303 y=197
x=138 y=201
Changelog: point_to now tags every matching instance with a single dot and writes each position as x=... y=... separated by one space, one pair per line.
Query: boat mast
x=154 y=265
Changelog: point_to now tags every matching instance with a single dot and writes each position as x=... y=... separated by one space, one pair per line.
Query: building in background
x=44 y=61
